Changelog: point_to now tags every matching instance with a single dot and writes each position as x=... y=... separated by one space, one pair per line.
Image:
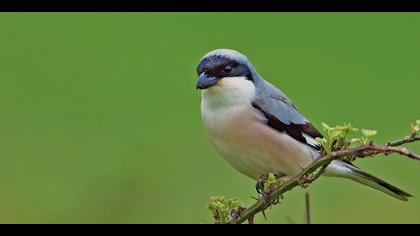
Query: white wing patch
x=311 y=141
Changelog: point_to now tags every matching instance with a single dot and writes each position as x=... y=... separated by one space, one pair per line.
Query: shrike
x=256 y=127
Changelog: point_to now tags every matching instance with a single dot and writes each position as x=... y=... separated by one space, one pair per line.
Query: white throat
x=229 y=91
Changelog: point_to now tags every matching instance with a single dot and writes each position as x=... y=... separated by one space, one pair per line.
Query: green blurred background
x=100 y=118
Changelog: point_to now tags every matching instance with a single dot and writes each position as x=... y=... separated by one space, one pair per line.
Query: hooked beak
x=204 y=81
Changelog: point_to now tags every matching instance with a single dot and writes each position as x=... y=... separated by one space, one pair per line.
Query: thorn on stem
x=263 y=213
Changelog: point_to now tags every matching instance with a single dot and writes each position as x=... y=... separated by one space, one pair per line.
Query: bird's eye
x=227 y=69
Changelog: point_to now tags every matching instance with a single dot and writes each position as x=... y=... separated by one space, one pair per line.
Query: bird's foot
x=266 y=184
x=260 y=187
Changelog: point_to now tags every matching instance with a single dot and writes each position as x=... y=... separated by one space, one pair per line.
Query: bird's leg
x=259 y=186
x=266 y=184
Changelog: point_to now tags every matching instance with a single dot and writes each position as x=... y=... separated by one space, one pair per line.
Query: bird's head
x=226 y=74
x=222 y=64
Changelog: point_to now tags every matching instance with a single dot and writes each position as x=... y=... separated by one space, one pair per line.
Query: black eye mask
x=219 y=66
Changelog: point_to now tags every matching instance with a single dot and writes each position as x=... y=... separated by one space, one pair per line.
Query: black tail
x=339 y=168
x=374 y=182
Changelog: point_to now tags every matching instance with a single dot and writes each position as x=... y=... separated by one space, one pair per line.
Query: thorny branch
x=307 y=176
x=408 y=139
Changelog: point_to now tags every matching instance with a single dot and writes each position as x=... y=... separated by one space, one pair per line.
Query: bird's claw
x=259 y=186
x=264 y=193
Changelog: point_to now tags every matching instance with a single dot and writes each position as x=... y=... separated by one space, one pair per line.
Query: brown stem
x=374 y=149
x=322 y=162
x=408 y=139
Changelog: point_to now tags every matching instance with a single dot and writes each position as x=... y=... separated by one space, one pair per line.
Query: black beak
x=204 y=81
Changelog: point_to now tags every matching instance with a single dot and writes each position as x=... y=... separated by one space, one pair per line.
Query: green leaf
x=222 y=208
x=350 y=129
x=325 y=127
x=413 y=129
x=335 y=133
x=417 y=127
x=270 y=183
x=321 y=140
x=369 y=133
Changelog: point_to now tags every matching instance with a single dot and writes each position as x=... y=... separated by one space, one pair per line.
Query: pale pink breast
x=251 y=146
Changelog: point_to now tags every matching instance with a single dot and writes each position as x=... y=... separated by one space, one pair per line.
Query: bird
x=257 y=129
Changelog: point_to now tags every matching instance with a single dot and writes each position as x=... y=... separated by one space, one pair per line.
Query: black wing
x=287 y=119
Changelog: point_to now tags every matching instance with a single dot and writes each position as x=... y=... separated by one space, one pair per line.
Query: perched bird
x=256 y=127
